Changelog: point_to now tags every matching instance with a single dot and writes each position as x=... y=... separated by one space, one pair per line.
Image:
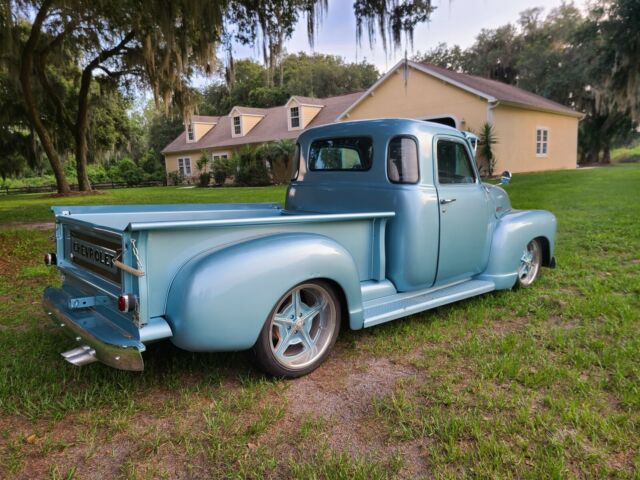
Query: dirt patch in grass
x=339 y=398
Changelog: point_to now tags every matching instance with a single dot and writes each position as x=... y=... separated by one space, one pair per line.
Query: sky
x=453 y=22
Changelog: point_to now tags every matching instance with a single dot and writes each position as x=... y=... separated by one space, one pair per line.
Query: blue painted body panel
x=214 y=272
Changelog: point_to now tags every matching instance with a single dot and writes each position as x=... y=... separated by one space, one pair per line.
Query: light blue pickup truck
x=383 y=219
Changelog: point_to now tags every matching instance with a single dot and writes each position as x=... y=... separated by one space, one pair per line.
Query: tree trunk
x=82 y=118
x=80 y=131
x=32 y=111
x=606 y=152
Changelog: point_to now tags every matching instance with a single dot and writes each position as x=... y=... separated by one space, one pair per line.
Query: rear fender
x=513 y=232
x=220 y=300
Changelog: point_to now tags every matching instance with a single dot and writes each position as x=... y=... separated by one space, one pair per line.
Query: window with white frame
x=184 y=166
x=191 y=136
x=218 y=157
x=542 y=142
x=237 y=126
x=294 y=116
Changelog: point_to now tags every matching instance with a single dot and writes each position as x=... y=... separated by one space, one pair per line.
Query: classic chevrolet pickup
x=383 y=219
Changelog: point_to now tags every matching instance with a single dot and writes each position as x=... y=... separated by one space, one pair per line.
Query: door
x=465 y=213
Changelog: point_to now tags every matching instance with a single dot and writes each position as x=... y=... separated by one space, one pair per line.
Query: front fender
x=511 y=235
x=220 y=300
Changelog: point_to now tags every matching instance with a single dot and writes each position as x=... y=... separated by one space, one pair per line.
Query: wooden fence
x=74 y=187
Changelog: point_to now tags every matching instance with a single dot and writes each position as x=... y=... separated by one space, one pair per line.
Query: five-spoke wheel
x=530 y=263
x=300 y=330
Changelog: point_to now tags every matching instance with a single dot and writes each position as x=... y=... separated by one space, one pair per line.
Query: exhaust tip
x=83 y=355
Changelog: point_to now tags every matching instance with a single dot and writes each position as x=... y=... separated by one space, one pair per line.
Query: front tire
x=300 y=331
x=530 y=263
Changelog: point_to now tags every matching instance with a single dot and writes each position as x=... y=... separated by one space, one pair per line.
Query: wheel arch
x=208 y=307
x=546 y=250
x=511 y=235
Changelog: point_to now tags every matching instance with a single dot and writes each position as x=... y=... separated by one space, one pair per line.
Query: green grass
x=534 y=383
x=626 y=154
x=36 y=207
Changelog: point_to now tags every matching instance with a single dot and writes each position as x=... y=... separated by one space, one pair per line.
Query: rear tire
x=300 y=331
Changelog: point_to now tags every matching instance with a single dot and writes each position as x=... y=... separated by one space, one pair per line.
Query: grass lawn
x=535 y=383
x=626 y=154
x=35 y=207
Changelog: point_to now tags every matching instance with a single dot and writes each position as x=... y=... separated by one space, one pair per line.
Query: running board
x=402 y=305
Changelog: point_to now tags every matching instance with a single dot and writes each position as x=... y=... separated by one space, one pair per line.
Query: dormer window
x=191 y=136
x=294 y=116
x=237 y=126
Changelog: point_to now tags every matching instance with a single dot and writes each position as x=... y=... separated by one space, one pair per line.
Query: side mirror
x=505 y=177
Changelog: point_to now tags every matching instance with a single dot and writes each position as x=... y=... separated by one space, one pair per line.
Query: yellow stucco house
x=533 y=133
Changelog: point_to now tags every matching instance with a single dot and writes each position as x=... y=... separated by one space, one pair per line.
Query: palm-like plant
x=486 y=139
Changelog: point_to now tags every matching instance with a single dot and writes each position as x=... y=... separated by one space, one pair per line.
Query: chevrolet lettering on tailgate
x=85 y=252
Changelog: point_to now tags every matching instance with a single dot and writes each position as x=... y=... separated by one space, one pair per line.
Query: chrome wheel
x=530 y=263
x=302 y=326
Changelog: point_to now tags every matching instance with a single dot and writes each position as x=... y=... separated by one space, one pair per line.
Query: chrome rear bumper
x=98 y=338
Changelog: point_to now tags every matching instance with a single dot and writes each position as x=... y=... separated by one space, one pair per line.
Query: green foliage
x=98 y=174
x=222 y=168
x=126 y=171
x=316 y=75
x=583 y=60
x=486 y=140
x=204 y=179
x=203 y=162
x=277 y=155
x=175 y=178
x=252 y=171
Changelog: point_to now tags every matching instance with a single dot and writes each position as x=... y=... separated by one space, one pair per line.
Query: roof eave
x=568 y=113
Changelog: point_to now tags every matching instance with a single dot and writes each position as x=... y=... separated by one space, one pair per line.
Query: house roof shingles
x=501 y=91
x=204 y=119
x=273 y=126
x=309 y=100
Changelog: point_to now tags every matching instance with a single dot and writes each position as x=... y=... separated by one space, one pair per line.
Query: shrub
x=252 y=172
x=126 y=171
x=175 y=178
x=98 y=174
x=203 y=162
x=204 y=179
x=222 y=168
x=278 y=155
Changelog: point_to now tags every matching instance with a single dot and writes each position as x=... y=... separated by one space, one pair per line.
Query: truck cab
x=423 y=172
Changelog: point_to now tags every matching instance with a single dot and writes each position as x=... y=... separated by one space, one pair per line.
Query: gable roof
x=209 y=119
x=249 y=110
x=501 y=92
x=274 y=126
x=307 y=100
x=491 y=90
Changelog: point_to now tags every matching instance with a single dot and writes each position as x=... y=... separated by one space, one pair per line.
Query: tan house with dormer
x=220 y=136
x=533 y=133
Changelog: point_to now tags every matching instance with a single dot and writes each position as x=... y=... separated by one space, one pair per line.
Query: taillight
x=127 y=302
x=50 y=259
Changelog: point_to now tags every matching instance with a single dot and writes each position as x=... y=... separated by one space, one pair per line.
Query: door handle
x=444 y=201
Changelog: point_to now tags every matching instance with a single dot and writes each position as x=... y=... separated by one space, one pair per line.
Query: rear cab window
x=341 y=154
x=454 y=163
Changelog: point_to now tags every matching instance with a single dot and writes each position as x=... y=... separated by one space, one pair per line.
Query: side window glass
x=454 y=164
x=295 y=163
x=402 y=160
